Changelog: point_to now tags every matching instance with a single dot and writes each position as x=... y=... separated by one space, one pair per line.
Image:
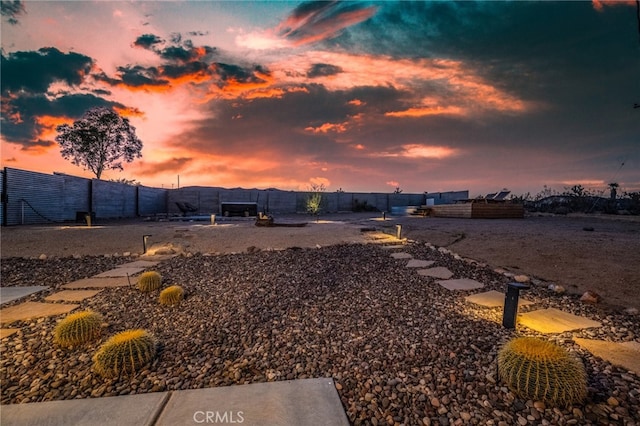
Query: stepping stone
x=6 y=332
x=9 y=294
x=140 y=264
x=291 y=402
x=416 y=263
x=401 y=255
x=394 y=247
x=71 y=295
x=120 y=272
x=461 y=284
x=625 y=354
x=28 y=310
x=100 y=283
x=492 y=299
x=437 y=272
x=552 y=320
x=126 y=410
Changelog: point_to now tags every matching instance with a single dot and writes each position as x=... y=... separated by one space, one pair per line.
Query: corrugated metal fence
x=31 y=198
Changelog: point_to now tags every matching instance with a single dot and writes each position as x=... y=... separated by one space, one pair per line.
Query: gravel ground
x=401 y=349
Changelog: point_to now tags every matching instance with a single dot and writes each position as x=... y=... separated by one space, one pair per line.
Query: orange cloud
x=46 y=125
x=420 y=151
x=328 y=127
x=424 y=111
x=128 y=111
x=599 y=4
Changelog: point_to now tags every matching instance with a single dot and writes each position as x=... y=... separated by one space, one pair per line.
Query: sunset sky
x=363 y=96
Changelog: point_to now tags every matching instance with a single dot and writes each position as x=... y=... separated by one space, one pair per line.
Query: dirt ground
x=598 y=253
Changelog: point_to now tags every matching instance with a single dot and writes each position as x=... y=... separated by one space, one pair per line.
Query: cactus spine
x=171 y=295
x=543 y=371
x=78 y=328
x=149 y=281
x=124 y=352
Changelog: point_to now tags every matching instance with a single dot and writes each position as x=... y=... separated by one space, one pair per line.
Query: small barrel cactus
x=125 y=353
x=149 y=281
x=171 y=295
x=542 y=371
x=78 y=328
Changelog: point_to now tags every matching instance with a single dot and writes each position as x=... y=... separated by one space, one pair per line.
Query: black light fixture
x=511 y=304
x=144 y=243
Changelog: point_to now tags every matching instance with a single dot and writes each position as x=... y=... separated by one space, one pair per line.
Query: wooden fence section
x=479 y=211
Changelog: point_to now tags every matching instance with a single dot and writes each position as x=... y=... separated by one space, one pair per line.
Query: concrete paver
x=293 y=402
x=552 y=320
x=120 y=272
x=115 y=410
x=100 y=283
x=417 y=263
x=492 y=299
x=28 y=310
x=626 y=354
x=461 y=284
x=140 y=264
x=437 y=272
x=9 y=294
x=6 y=332
x=71 y=295
x=401 y=255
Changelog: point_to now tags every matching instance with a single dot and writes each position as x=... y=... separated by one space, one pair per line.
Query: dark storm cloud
x=179 y=53
x=323 y=70
x=319 y=20
x=11 y=10
x=35 y=71
x=26 y=131
x=148 y=41
x=198 y=33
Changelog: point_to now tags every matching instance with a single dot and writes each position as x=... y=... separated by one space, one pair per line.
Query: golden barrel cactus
x=149 y=281
x=125 y=353
x=78 y=328
x=542 y=371
x=171 y=295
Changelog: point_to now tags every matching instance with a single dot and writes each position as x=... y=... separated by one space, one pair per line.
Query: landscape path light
x=511 y=304
x=144 y=243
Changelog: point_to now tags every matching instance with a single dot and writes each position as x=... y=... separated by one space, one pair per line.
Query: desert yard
x=327 y=300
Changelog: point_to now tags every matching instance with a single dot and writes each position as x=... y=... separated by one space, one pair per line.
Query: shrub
x=149 y=281
x=78 y=328
x=171 y=295
x=124 y=352
x=542 y=371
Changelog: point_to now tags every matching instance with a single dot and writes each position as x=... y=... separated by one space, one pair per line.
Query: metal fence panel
x=33 y=198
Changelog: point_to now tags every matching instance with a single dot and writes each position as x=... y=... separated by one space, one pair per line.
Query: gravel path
x=401 y=349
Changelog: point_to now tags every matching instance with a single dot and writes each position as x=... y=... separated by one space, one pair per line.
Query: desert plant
x=149 y=281
x=171 y=295
x=543 y=371
x=78 y=328
x=124 y=352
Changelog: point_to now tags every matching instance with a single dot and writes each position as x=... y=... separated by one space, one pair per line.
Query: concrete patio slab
x=100 y=283
x=127 y=410
x=6 y=332
x=140 y=264
x=71 y=295
x=9 y=294
x=493 y=299
x=401 y=255
x=626 y=354
x=293 y=402
x=437 y=272
x=417 y=263
x=28 y=310
x=552 y=320
x=120 y=272
x=461 y=284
